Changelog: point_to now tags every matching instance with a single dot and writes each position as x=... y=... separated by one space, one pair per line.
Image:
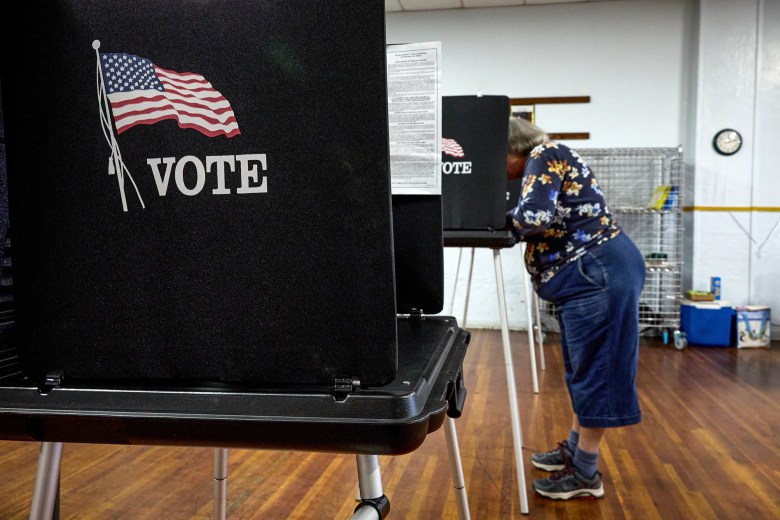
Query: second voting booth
x=206 y=250
x=475 y=196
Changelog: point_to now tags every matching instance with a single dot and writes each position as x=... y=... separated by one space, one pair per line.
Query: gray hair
x=524 y=136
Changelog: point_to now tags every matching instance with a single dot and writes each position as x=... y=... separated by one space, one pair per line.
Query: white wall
x=626 y=55
x=739 y=87
x=660 y=73
x=629 y=57
x=765 y=254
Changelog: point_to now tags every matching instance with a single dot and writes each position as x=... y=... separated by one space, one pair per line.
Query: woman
x=582 y=262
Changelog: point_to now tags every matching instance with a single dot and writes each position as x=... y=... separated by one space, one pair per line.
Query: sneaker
x=569 y=483
x=553 y=460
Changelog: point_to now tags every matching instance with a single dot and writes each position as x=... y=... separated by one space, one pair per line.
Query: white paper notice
x=414 y=110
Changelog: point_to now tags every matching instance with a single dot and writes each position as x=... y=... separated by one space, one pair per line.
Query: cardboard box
x=708 y=324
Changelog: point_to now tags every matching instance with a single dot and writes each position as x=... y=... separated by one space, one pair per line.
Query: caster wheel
x=680 y=341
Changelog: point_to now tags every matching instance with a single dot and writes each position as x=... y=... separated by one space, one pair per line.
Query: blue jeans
x=597 y=300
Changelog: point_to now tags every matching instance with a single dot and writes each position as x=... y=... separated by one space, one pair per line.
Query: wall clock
x=727 y=141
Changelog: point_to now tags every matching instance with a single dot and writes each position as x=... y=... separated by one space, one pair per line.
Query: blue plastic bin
x=707 y=324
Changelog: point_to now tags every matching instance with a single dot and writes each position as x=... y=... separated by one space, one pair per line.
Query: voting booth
x=474 y=134
x=206 y=250
x=474 y=193
x=177 y=179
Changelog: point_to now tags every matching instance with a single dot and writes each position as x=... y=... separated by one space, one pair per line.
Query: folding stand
x=532 y=308
x=537 y=322
x=220 y=483
x=46 y=481
x=369 y=480
x=389 y=420
x=496 y=241
x=374 y=504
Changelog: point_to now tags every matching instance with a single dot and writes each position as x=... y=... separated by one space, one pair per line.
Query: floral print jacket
x=561 y=213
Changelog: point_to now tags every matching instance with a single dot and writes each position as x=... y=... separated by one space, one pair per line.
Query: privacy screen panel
x=200 y=190
x=419 y=253
x=474 y=148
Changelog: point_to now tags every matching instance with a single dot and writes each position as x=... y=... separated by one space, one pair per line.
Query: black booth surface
x=474 y=186
x=419 y=253
x=514 y=189
x=390 y=420
x=200 y=190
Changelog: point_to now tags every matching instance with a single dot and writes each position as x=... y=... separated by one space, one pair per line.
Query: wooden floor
x=708 y=448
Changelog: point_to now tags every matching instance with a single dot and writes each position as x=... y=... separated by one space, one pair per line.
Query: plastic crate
x=709 y=324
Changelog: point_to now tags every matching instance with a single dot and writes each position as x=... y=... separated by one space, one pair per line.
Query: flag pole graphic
x=115 y=164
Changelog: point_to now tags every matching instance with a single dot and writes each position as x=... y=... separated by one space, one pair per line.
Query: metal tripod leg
x=455 y=283
x=510 y=382
x=533 y=303
x=529 y=298
x=529 y=304
x=374 y=484
x=468 y=289
x=220 y=483
x=456 y=469
x=46 y=481
x=538 y=327
x=374 y=504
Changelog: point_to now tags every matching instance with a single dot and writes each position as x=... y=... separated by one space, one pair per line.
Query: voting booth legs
x=373 y=502
x=510 y=381
x=495 y=242
x=220 y=482
x=47 y=482
x=533 y=315
x=456 y=470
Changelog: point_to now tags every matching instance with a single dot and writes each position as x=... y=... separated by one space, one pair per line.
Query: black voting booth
x=474 y=186
x=205 y=247
x=513 y=190
x=474 y=193
x=214 y=223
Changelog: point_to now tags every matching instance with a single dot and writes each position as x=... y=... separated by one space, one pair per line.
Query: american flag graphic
x=141 y=93
x=451 y=147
